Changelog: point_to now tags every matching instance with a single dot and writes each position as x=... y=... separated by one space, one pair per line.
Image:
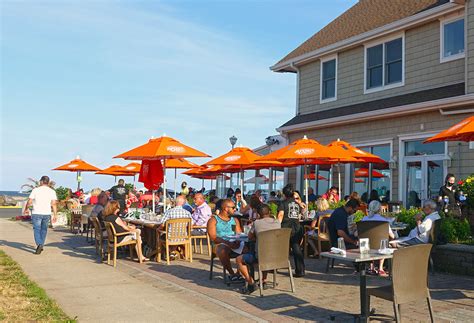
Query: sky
x=97 y=78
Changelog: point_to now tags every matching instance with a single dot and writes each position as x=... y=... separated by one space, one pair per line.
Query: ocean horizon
x=14 y=193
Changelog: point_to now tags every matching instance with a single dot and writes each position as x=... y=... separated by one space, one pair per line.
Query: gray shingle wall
x=423 y=70
x=391 y=129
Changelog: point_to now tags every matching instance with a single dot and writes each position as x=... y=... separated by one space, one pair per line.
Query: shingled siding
x=470 y=46
x=423 y=70
x=390 y=129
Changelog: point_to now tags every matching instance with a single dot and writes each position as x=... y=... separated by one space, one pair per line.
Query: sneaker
x=248 y=290
x=39 y=249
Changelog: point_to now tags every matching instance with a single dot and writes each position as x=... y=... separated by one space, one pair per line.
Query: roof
x=364 y=16
x=400 y=100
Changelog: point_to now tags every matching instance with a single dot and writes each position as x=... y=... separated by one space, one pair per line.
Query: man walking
x=43 y=198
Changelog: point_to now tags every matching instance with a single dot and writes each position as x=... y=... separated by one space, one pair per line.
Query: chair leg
x=212 y=268
x=292 y=282
x=327 y=265
x=158 y=252
x=275 y=278
x=319 y=248
x=397 y=313
x=332 y=263
x=260 y=281
x=430 y=308
x=115 y=256
x=190 y=251
x=200 y=246
x=432 y=265
x=208 y=246
x=167 y=254
x=367 y=310
x=108 y=255
x=194 y=245
x=131 y=251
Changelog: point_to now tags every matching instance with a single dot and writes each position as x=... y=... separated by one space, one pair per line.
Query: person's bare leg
x=223 y=252
x=243 y=269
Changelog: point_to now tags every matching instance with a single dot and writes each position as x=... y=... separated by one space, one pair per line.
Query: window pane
x=393 y=50
x=374 y=77
x=454 y=38
x=393 y=72
x=329 y=89
x=374 y=56
x=416 y=148
x=329 y=69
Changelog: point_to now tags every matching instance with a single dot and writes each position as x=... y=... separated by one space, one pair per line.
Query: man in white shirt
x=43 y=198
x=421 y=233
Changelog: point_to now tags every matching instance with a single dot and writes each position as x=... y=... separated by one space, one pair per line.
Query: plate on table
x=237 y=236
x=387 y=251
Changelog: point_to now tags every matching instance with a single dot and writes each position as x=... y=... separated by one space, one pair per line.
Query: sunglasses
x=232 y=207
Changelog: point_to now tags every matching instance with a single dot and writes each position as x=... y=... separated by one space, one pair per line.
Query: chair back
x=273 y=248
x=434 y=232
x=410 y=273
x=87 y=209
x=178 y=230
x=110 y=231
x=97 y=227
x=384 y=208
x=323 y=228
x=374 y=230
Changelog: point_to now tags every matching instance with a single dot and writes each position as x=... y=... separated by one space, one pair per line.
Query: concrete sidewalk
x=91 y=291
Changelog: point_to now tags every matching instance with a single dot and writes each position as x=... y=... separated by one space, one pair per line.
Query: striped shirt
x=176 y=213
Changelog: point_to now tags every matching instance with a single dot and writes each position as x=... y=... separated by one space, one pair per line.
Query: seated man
x=221 y=226
x=337 y=224
x=264 y=222
x=202 y=213
x=178 y=212
x=421 y=233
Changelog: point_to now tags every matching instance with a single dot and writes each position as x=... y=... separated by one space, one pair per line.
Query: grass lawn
x=23 y=300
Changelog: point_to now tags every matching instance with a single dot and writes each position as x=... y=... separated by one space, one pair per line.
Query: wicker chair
x=375 y=231
x=409 y=279
x=113 y=244
x=176 y=232
x=100 y=236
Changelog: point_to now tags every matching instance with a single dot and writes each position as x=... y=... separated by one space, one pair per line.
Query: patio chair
x=384 y=208
x=375 y=231
x=76 y=219
x=322 y=234
x=85 y=221
x=113 y=244
x=202 y=237
x=434 y=235
x=100 y=237
x=176 y=232
x=409 y=279
x=273 y=249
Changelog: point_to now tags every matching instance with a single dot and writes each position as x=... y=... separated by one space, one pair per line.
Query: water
x=14 y=193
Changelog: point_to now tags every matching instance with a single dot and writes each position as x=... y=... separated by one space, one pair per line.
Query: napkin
x=338 y=251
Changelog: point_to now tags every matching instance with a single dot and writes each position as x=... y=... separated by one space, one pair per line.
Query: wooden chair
x=273 y=249
x=409 y=279
x=100 y=237
x=76 y=219
x=86 y=222
x=176 y=232
x=202 y=237
x=113 y=244
x=384 y=208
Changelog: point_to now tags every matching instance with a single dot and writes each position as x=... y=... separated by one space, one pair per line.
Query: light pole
x=233 y=141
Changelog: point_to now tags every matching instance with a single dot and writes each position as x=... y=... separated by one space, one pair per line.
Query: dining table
x=360 y=261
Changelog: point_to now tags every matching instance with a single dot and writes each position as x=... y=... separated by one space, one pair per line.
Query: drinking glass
x=384 y=244
x=341 y=244
x=247 y=229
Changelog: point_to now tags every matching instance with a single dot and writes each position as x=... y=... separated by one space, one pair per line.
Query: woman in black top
x=289 y=216
x=449 y=195
x=111 y=211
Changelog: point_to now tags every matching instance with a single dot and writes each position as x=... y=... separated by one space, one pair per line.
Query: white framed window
x=452 y=39
x=328 y=77
x=384 y=64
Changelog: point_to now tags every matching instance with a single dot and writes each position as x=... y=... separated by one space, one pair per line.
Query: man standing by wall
x=43 y=198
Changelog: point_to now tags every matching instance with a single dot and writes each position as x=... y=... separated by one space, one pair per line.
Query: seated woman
x=322 y=209
x=254 y=205
x=221 y=226
x=111 y=211
x=374 y=210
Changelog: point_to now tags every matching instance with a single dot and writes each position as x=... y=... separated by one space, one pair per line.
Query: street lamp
x=233 y=141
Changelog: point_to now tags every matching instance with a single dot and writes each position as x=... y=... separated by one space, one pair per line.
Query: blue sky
x=97 y=78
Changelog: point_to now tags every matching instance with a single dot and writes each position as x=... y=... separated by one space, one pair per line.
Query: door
x=423 y=178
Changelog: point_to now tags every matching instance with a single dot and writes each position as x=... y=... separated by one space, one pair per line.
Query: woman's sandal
x=383 y=273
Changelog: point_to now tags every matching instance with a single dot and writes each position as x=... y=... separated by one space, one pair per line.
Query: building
x=384 y=76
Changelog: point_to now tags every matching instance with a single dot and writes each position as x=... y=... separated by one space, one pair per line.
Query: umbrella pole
x=339 y=179
x=316 y=175
x=164 y=185
x=153 y=200
x=78 y=182
x=241 y=180
x=175 y=183
x=306 y=182
x=202 y=184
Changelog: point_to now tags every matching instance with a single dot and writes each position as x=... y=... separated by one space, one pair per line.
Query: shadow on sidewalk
x=18 y=245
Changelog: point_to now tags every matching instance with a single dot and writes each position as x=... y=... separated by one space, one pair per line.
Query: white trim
x=382 y=42
x=322 y=61
x=379 y=114
x=443 y=22
x=402 y=24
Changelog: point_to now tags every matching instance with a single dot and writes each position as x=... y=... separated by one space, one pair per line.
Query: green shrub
x=62 y=193
x=358 y=216
x=273 y=209
x=467 y=187
x=333 y=206
x=455 y=230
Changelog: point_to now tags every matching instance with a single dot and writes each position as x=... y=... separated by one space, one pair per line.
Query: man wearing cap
x=43 y=198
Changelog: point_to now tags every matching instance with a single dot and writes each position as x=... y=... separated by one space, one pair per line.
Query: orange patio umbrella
x=312 y=176
x=359 y=154
x=162 y=148
x=462 y=131
x=238 y=158
x=77 y=165
x=133 y=167
x=179 y=163
x=364 y=172
x=115 y=170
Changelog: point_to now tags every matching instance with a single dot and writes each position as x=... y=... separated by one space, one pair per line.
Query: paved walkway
x=69 y=272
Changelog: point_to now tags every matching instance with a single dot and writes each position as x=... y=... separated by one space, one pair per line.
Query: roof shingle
x=364 y=16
